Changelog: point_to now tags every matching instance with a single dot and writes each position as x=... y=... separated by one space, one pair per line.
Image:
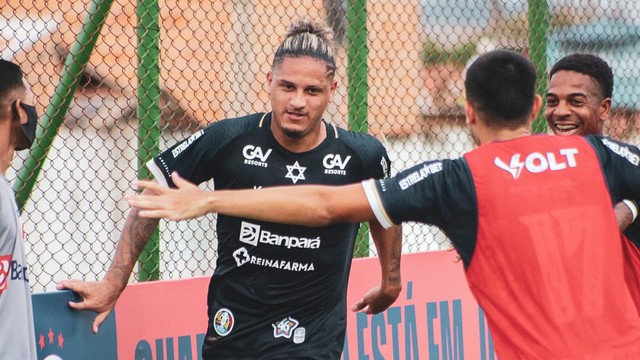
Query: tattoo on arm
x=135 y=236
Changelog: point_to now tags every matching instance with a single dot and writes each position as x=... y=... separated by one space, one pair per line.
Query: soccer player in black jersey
x=278 y=291
x=578 y=103
x=541 y=256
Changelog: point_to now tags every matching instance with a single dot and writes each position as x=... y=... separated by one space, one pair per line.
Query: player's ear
x=537 y=104
x=605 y=107
x=470 y=113
x=269 y=78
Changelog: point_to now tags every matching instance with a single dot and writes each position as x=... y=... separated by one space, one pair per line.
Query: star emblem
x=295 y=172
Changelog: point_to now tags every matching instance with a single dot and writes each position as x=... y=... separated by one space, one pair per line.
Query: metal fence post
x=148 y=116
x=538 y=29
x=357 y=52
x=59 y=103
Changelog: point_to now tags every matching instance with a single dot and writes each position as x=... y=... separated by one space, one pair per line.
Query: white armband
x=633 y=207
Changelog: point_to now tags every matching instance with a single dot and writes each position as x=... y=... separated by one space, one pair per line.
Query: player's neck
x=504 y=134
x=307 y=142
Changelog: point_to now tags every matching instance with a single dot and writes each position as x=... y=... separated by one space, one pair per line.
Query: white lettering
x=419 y=175
x=281 y=264
x=252 y=234
x=623 y=151
x=537 y=162
x=185 y=144
x=332 y=160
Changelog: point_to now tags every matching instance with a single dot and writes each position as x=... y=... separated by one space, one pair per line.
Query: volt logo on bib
x=537 y=162
x=254 y=155
x=335 y=164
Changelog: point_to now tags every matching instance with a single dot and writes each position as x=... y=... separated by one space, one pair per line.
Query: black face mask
x=28 y=129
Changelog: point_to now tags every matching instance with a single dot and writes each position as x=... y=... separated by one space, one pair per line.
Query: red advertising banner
x=435 y=316
x=162 y=319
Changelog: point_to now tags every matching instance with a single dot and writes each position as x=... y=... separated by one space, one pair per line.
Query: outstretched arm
x=389 y=246
x=626 y=212
x=309 y=205
x=101 y=296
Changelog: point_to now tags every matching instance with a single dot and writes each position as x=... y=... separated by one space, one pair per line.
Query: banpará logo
x=537 y=162
x=252 y=234
x=185 y=144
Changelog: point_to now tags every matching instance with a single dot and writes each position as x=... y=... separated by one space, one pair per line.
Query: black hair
x=591 y=65
x=10 y=81
x=308 y=38
x=501 y=85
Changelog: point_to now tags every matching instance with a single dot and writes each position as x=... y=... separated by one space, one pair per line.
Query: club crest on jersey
x=254 y=155
x=536 y=162
x=335 y=165
x=285 y=327
x=223 y=322
x=295 y=172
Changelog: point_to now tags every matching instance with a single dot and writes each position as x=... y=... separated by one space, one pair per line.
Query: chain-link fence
x=92 y=67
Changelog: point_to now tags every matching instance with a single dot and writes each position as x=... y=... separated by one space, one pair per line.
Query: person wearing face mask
x=18 y=122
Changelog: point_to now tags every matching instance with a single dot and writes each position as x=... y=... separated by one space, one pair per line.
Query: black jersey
x=533 y=221
x=278 y=291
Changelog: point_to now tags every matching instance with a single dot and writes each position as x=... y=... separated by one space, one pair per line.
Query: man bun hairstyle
x=591 y=65
x=501 y=86
x=308 y=38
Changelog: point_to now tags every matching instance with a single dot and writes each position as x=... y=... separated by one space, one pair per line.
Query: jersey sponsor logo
x=5 y=266
x=185 y=144
x=537 y=162
x=242 y=257
x=419 y=175
x=284 y=328
x=299 y=335
x=223 y=322
x=252 y=234
x=622 y=150
x=335 y=165
x=18 y=271
x=295 y=172
x=254 y=155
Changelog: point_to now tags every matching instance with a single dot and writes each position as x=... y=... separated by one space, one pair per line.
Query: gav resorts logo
x=333 y=161
x=254 y=155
